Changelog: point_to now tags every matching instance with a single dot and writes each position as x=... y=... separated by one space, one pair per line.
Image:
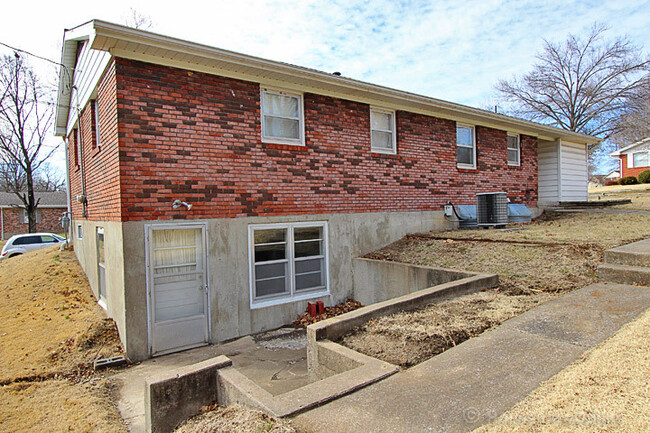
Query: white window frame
x=459 y=164
x=301 y=118
x=95 y=108
x=518 y=162
x=639 y=153
x=79 y=231
x=393 y=133
x=291 y=296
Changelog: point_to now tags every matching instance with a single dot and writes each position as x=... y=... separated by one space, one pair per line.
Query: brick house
x=213 y=193
x=13 y=217
x=633 y=159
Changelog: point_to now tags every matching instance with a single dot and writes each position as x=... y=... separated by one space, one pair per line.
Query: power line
x=31 y=54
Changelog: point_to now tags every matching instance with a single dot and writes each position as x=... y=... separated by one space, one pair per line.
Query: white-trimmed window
x=80 y=232
x=282 y=117
x=382 y=131
x=288 y=262
x=466 y=146
x=95 y=115
x=514 y=149
x=641 y=159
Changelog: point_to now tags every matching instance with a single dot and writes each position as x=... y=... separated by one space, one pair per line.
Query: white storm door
x=178 y=291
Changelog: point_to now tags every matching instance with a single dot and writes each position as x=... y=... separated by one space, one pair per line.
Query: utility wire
x=31 y=54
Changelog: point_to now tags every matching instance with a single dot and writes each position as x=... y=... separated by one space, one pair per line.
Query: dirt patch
x=605 y=390
x=234 y=419
x=51 y=322
x=58 y=406
x=557 y=253
x=408 y=338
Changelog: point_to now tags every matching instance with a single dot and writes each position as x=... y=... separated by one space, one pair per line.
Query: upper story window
x=282 y=118
x=466 y=145
x=75 y=146
x=382 y=131
x=94 y=110
x=514 y=149
x=641 y=159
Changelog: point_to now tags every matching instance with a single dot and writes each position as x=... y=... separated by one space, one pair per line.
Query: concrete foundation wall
x=86 y=251
x=350 y=235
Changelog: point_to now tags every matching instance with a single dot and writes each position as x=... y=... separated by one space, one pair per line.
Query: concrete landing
x=475 y=382
x=275 y=360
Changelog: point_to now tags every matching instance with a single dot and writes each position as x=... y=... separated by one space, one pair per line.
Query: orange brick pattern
x=634 y=171
x=196 y=137
x=101 y=165
x=50 y=221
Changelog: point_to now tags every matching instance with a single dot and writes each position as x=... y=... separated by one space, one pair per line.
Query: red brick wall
x=196 y=137
x=101 y=165
x=50 y=221
x=635 y=171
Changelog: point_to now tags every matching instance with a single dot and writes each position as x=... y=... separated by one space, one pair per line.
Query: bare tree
x=634 y=125
x=138 y=21
x=581 y=85
x=25 y=120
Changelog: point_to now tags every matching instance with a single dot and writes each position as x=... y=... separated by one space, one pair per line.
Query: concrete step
x=635 y=254
x=624 y=274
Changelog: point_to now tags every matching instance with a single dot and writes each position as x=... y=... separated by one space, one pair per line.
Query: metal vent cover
x=492 y=209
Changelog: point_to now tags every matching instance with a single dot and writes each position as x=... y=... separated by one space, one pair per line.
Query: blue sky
x=451 y=50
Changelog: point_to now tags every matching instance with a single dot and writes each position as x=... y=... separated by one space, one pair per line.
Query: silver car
x=20 y=244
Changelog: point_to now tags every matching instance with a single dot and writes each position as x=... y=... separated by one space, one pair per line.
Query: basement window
x=282 y=118
x=514 y=149
x=288 y=262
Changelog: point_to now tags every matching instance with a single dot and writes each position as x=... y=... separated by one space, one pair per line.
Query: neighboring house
x=13 y=217
x=613 y=175
x=596 y=180
x=633 y=159
x=287 y=173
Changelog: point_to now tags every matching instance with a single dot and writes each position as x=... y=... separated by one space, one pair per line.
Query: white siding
x=91 y=64
x=547 y=153
x=574 y=177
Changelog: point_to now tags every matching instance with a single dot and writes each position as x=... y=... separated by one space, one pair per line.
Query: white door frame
x=148 y=228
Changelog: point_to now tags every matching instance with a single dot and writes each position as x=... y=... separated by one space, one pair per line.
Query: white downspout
x=2 y=223
x=67 y=186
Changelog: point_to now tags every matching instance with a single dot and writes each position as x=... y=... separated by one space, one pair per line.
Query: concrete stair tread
x=624 y=274
x=634 y=254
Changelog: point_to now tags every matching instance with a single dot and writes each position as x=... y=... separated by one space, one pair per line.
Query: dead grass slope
x=49 y=320
x=57 y=406
x=607 y=390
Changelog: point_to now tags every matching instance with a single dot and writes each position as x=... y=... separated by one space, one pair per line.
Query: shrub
x=628 y=180
x=644 y=176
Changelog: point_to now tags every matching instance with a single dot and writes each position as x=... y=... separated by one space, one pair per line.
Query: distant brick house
x=13 y=217
x=633 y=159
x=213 y=193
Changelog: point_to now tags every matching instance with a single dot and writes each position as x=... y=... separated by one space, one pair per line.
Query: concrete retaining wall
x=377 y=280
x=335 y=327
x=177 y=395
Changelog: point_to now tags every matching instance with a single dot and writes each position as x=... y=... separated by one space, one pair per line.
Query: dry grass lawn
x=49 y=320
x=639 y=194
x=555 y=254
x=51 y=329
x=57 y=406
x=607 y=390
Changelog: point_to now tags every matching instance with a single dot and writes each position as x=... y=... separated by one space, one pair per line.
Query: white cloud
x=446 y=49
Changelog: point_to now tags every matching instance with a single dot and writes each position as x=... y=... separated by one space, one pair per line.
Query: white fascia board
x=227 y=63
x=628 y=149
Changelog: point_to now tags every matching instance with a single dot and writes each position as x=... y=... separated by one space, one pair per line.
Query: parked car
x=20 y=244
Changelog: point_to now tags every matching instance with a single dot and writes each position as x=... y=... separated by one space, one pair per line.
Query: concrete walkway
x=480 y=379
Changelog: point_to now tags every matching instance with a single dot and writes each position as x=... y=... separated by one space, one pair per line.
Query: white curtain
x=177 y=251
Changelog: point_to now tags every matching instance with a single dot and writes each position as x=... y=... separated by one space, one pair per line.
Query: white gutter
x=107 y=36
